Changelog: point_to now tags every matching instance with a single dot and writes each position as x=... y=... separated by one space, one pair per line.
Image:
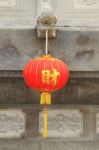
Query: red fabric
x=33 y=73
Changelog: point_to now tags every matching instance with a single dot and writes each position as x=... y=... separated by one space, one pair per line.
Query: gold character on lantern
x=50 y=77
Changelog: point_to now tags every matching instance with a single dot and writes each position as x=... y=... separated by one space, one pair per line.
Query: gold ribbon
x=45 y=131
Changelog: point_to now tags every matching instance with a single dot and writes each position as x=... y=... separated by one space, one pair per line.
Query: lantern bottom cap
x=45 y=98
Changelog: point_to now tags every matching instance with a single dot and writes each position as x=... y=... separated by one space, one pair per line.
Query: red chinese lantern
x=46 y=74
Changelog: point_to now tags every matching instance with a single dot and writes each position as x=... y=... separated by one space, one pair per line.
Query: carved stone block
x=12 y=123
x=7 y=3
x=63 y=123
x=86 y=3
x=97 y=123
x=41 y=4
x=17 y=13
x=46 y=18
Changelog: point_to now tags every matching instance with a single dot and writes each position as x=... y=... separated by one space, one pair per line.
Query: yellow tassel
x=45 y=132
x=45 y=98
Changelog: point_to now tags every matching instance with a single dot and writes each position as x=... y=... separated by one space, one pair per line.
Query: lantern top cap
x=47 y=56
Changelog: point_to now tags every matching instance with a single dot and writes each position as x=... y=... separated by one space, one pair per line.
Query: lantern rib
x=44 y=67
x=36 y=74
x=58 y=70
x=52 y=68
x=31 y=76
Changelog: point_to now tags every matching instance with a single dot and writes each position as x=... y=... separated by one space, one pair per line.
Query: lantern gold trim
x=45 y=98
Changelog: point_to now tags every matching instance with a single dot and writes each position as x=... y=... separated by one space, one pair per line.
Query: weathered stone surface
x=78 y=91
x=41 y=145
x=16 y=51
x=19 y=122
x=91 y=4
x=12 y=123
x=97 y=123
x=69 y=146
x=77 y=12
x=26 y=145
x=63 y=123
x=7 y=3
x=23 y=13
x=32 y=122
x=59 y=145
x=78 y=49
x=17 y=13
x=14 y=91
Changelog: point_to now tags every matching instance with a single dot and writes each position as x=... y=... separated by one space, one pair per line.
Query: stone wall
x=74 y=114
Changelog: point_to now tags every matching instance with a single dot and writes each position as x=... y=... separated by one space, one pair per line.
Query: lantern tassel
x=45 y=98
x=45 y=131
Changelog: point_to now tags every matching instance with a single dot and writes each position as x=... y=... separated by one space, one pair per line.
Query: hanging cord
x=46 y=50
x=45 y=130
